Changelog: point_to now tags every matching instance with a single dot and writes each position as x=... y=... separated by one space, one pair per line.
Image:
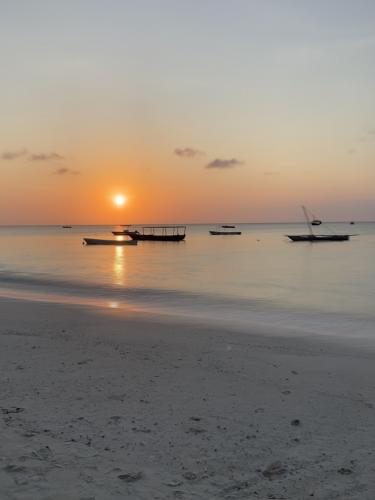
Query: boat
x=98 y=241
x=214 y=233
x=124 y=232
x=219 y=230
x=66 y=227
x=317 y=237
x=159 y=233
x=316 y=222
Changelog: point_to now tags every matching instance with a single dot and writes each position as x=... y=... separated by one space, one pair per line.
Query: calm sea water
x=259 y=277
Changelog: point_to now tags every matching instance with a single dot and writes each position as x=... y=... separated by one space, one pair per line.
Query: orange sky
x=278 y=101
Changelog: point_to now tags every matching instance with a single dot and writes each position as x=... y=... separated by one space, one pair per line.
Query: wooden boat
x=311 y=237
x=124 y=232
x=316 y=222
x=159 y=233
x=98 y=241
x=319 y=237
x=219 y=231
x=214 y=233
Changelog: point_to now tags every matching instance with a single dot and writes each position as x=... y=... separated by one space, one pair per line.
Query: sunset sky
x=195 y=110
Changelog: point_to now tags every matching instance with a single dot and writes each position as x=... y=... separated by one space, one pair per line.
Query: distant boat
x=66 y=227
x=97 y=241
x=123 y=231
x=216 y=232
x=159 y=233
x=316 y=222
x=352 y=222
x=317 y=237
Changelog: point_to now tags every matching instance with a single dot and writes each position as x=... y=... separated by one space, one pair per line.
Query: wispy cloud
x=12 y=155
x=66 y=171
x=220 y=163
x=271 y=172
x=45 y=157
x=188 y=152
x=351 y=151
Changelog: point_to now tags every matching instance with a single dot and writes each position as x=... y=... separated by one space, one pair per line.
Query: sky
x=195 y=110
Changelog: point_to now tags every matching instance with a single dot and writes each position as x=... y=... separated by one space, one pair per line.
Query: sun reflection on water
x=119 y=266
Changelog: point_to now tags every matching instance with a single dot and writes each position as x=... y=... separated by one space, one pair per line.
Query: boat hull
x=318 y=237
x=96 y=241
x=156 y=237
x=122 y=233
x=230 y=233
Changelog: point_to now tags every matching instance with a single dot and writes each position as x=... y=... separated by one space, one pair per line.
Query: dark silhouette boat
x=219 y=230
x=319 y=237
x=158 y=233
x=124 y=232
x=98 y=241
x=230 y=233
x=312 y=237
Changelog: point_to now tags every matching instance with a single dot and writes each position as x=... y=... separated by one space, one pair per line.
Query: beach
x=99 y=403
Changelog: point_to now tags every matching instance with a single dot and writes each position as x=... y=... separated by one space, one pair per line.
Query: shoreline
x=111 y=404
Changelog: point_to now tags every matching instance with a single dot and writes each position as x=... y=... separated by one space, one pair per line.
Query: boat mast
x=307 y=220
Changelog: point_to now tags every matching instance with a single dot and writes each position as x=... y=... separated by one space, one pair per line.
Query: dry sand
x=123 y=406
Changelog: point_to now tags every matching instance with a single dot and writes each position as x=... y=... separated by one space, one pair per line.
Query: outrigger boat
x=159 y=233
x=98 y=241
x=219 y=231
x=317 y=237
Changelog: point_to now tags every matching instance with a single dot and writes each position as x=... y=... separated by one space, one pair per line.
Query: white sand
x=102 y=406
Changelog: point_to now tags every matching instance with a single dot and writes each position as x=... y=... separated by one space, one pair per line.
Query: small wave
x=213 y=308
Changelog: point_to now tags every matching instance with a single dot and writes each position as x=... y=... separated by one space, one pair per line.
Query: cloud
x=45 y=157
x=220 y=163
x=351 y=151
x=188 y=152
x=66 y=171
x=372 y=131
x=12 y=155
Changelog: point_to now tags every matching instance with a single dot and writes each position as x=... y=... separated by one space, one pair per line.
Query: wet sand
x=100 y=404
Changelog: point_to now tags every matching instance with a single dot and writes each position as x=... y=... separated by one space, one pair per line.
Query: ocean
x=258 y=278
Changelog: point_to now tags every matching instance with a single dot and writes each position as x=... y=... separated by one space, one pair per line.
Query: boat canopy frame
x=164 y=230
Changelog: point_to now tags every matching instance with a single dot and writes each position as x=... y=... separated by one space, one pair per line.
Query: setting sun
x=119 y=200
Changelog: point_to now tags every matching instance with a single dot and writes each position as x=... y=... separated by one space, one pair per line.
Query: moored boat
x=219 y=230
x=159 y=233
x=312 y=237
x=123 y=232
x=214 y=233
x=98 y=241
x=319 y=237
